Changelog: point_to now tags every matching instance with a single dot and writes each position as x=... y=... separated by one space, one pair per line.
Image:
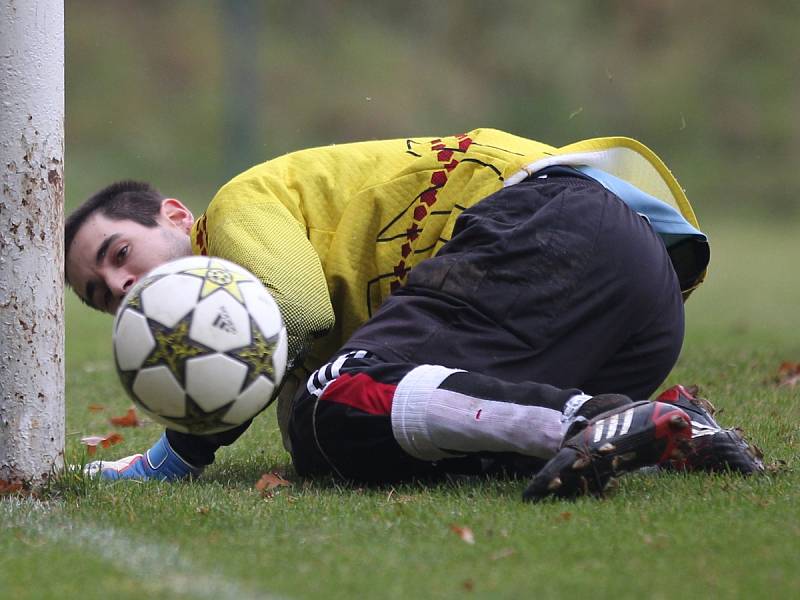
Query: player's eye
x=122 y=253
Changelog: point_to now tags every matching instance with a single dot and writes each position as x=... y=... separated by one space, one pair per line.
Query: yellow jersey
x=332 y=231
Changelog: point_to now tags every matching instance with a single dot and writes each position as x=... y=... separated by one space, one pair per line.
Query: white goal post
x=31 y=239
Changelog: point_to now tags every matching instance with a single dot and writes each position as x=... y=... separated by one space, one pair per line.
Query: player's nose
x=119 y=287
x=122 y=284
x=128 y=283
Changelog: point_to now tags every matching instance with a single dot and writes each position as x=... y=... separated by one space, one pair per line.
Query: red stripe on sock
x=362 y=392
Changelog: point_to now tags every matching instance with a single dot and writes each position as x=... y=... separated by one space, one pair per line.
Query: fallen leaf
x=9 y=487
x=93 y=441
x=202 y=510
x=565 y=516
x=468 y=585
x=96 y=407
x=465 y=533
x=270 y=481
x=788 y=374
x=129 y=419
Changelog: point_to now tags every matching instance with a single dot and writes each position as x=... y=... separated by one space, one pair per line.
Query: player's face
x=108 y=257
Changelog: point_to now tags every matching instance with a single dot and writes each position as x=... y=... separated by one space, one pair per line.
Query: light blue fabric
x=665 y=220
x=160 y=462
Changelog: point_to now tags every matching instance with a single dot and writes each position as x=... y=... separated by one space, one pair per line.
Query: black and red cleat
x=615 y=442
x=713 y=449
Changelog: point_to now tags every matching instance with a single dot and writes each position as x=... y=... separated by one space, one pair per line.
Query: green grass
x=659 y=536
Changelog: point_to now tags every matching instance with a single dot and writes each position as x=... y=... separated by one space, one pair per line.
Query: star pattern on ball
x=173 y=348
x=198 y=421
x=135 y=301
x=257 y=355
x=217 y=276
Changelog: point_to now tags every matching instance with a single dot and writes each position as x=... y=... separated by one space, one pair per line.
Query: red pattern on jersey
x=201 y=237
x=426 y=201
x=362 y=392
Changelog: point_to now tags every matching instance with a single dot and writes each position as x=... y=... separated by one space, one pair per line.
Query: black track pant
x=553 y=281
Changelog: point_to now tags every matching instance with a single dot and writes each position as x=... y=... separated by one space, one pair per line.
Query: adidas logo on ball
x=224 y=321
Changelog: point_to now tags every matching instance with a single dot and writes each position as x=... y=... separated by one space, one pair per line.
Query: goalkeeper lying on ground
x=459 y=304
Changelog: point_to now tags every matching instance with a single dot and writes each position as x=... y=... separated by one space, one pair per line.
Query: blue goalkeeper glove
x=161 y=462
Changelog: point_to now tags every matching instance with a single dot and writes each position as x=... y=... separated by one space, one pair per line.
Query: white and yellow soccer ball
x=200 y=345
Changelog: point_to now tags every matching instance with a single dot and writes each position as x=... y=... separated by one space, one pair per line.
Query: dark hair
x=124 y=200
x=132 y=200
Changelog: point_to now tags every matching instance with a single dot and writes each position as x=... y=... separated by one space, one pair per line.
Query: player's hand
x=160 y=462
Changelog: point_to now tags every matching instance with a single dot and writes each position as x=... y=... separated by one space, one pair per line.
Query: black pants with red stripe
x=547 y=287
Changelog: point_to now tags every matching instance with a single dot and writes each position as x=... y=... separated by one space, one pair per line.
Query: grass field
x=659 y=536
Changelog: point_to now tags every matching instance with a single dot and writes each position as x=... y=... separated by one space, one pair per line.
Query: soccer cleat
x=615 y=442
x=713 y=448
x=160 y=462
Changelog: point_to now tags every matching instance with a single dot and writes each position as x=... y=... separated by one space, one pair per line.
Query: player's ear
x=176 y=212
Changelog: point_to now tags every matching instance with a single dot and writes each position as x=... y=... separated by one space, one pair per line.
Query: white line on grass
x=162 y=566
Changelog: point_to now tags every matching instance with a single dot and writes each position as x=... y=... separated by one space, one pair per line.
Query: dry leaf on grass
x=788 y=374
x=97 y=407
x=465 y=533
x=129 y=419
x=9 y=487
x=93 y=441
x=270 y=481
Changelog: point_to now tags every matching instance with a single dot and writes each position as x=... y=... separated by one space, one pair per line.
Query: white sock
x=571 y=409
x=431 y=423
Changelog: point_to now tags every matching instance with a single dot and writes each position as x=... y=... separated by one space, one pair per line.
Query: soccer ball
x=200 y=345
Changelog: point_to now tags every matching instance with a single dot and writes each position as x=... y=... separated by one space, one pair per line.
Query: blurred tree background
x=186 y=93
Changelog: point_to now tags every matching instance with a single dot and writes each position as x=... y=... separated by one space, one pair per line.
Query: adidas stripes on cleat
x=601 y=403
x=615 y=442
x=713 y=448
